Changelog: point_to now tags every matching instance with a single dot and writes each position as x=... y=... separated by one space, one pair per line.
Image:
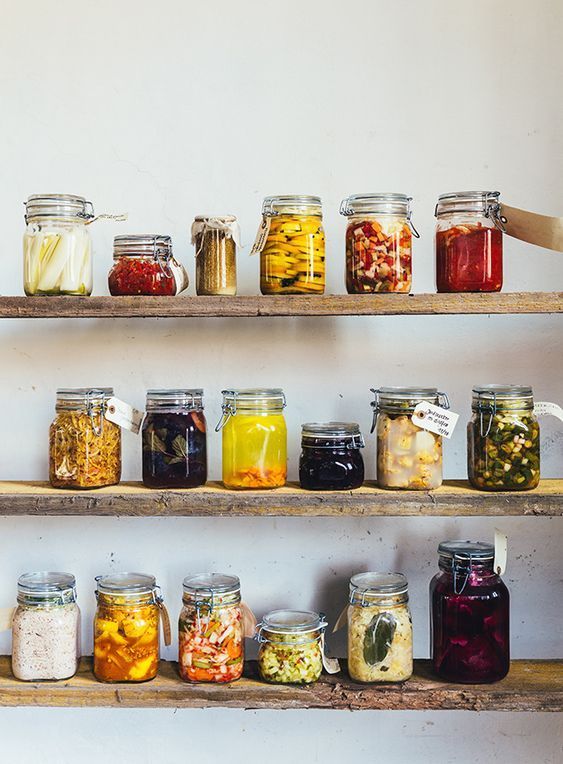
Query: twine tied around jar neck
x=227 y=225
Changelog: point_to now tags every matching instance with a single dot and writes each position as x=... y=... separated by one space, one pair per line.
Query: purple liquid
x=331 y=469
x=174 y=450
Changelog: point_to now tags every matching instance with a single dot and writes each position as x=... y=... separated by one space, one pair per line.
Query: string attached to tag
x=106 y=216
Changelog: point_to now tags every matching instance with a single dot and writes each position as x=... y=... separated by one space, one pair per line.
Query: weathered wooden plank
x=280 y=305
x=535 y=685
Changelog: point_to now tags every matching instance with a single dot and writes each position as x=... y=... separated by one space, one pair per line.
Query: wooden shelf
x=280 y=305
x=535 y=685
x=453 y=499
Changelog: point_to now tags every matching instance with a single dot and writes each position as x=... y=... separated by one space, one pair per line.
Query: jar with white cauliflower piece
x=408 y=457
x=379 y=628
x=291 y=647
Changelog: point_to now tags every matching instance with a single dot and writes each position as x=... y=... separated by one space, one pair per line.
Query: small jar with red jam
x=469 y=604
x=469 y=242
x=144 y=265
x=331 y=459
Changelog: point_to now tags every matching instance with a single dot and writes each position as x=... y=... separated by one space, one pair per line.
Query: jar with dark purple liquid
x=174 y=439
x=469 y=631
x=331 y=459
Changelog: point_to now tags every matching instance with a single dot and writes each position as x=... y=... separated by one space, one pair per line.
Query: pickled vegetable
x=293 y=258
x=407 y=456
x=211 y=645
x=174 y=449
x=380 y=643
x=469 y=259
x=255 y=451
x=57 y=259
x=126 y=642
x=378 y=255
x=287 y=659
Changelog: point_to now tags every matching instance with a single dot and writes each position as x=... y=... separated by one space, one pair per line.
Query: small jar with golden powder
x=216 y=240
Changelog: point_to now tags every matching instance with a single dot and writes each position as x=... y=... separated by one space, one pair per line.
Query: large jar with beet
x=469 y=602
x=174 y=439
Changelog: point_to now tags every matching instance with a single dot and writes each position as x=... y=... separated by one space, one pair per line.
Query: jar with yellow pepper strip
x=126 y=628
x=292 y=246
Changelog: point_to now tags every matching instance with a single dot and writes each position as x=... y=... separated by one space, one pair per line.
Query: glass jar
x=407 y=456
x=503 y=439
x=330 y=456
x=84 y=446
x=291 y=646
x=292 y=260
x=378 y=243
x=144 y=265
x=174 y=439
x=211 y=634
x=57 y=248
x=469 y=242
x=127 y=628
x=379 y=628
x=46 y=627
x=469 y=602
x=254 y=438
x=216 y=240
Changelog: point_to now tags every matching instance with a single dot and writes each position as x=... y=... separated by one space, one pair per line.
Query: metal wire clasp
x=493 y=211
x=90 y=395
x=375 y=406
x=456 y=571
x=410 y=224
x=491 y=409
x=228 y=409
x=443 y=400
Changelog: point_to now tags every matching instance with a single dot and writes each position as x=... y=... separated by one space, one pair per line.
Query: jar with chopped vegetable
x=216 y=240
x=379 y=628
x=84 y=446
x=503 y=439
x=254 y=438
x=211 y=634
x=408 y=457
x=291 y=646
x=144 y=265
x=331 y=458
x=46 y=627
x=378 y=243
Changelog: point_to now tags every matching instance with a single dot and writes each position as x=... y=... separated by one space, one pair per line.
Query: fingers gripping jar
x=291 y=646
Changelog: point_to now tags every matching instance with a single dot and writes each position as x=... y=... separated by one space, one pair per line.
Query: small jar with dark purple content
x=331 y=459
x=469 y=631
x=174 y=439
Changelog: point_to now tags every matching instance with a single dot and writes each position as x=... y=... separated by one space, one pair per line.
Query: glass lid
x=142 y=245
x=504 y=392
x=176 y=398
x=378 y=583
x=292 y=621
x=467 y=550
x=210 y=584
x=46 y=581
x=485 y=202
x=61 y=206
x=292 y=204
x=382 y=203
x=126 y=584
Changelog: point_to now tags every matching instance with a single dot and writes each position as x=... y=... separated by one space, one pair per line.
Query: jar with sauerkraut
x=408 y=456
x=379 y=628
x=84 y=446
x=291 y=646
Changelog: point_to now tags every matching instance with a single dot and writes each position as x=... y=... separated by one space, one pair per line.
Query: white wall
x=170 y=109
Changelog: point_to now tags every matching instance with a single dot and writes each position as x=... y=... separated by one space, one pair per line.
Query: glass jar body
x=380 y=642
x=470 y=631
x=142 y=276
x=290 y=658
x=507 y=458
x=57 y=258
x=378 y=254
x=255 y=450
x=468 y=253
x=215 y=265
x=326 y=466
x=211 y=642
x=174 y=449
x=408 y=457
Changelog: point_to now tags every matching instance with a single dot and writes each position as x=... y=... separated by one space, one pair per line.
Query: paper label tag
x=6 y=616
x=541 y=408
x=501 y=552
x=248 y=621
x=124 y=415
x=180 y=275
x=435 y=419
x=261 y=236
x=330 y=665
x=165 y=619
x=535 y=229
x=342 y=619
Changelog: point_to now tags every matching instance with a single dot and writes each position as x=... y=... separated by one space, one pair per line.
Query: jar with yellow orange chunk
x=291 y=242
x=254 y=438
x=127 y=628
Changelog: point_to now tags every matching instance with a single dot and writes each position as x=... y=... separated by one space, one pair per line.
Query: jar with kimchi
x=144 y=265
x=84 y=446
x=211 y=632
x=126 y=628
x=469 y=242
x=378 y=243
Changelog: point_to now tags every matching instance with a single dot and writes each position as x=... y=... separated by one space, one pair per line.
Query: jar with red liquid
x=469 y=631
x=469 y=242
x=144 y=265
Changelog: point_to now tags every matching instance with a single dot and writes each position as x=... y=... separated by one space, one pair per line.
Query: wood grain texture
x=185 y=306
x=535 y=685
x=454 y=498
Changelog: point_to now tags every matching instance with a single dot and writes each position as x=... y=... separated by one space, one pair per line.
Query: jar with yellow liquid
x=254 y=438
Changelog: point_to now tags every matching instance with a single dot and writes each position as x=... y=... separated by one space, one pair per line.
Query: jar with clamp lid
x=378 y=242
x=57 y=245
x=211 y=631
x=331 y=457
x=292 y=248
x=84 y=446
x=503 y=439
x=144 y=265
x=174 y=439
x=254 y=438
x=469 y=605
x=469 y=242
x=408 y=456
x=216 y=240
x=46 y=627
x=291 y=646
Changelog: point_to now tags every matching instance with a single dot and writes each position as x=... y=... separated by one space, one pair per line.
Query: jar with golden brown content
x=84 y=446
x=216 y=240
x=126 y=628
x=292 y=258
x=254 y=438
x=408 y=456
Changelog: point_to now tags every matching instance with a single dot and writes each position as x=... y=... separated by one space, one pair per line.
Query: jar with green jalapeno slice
x=503 y=439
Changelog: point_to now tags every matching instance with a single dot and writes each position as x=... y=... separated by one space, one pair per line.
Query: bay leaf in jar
x=378 y=638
